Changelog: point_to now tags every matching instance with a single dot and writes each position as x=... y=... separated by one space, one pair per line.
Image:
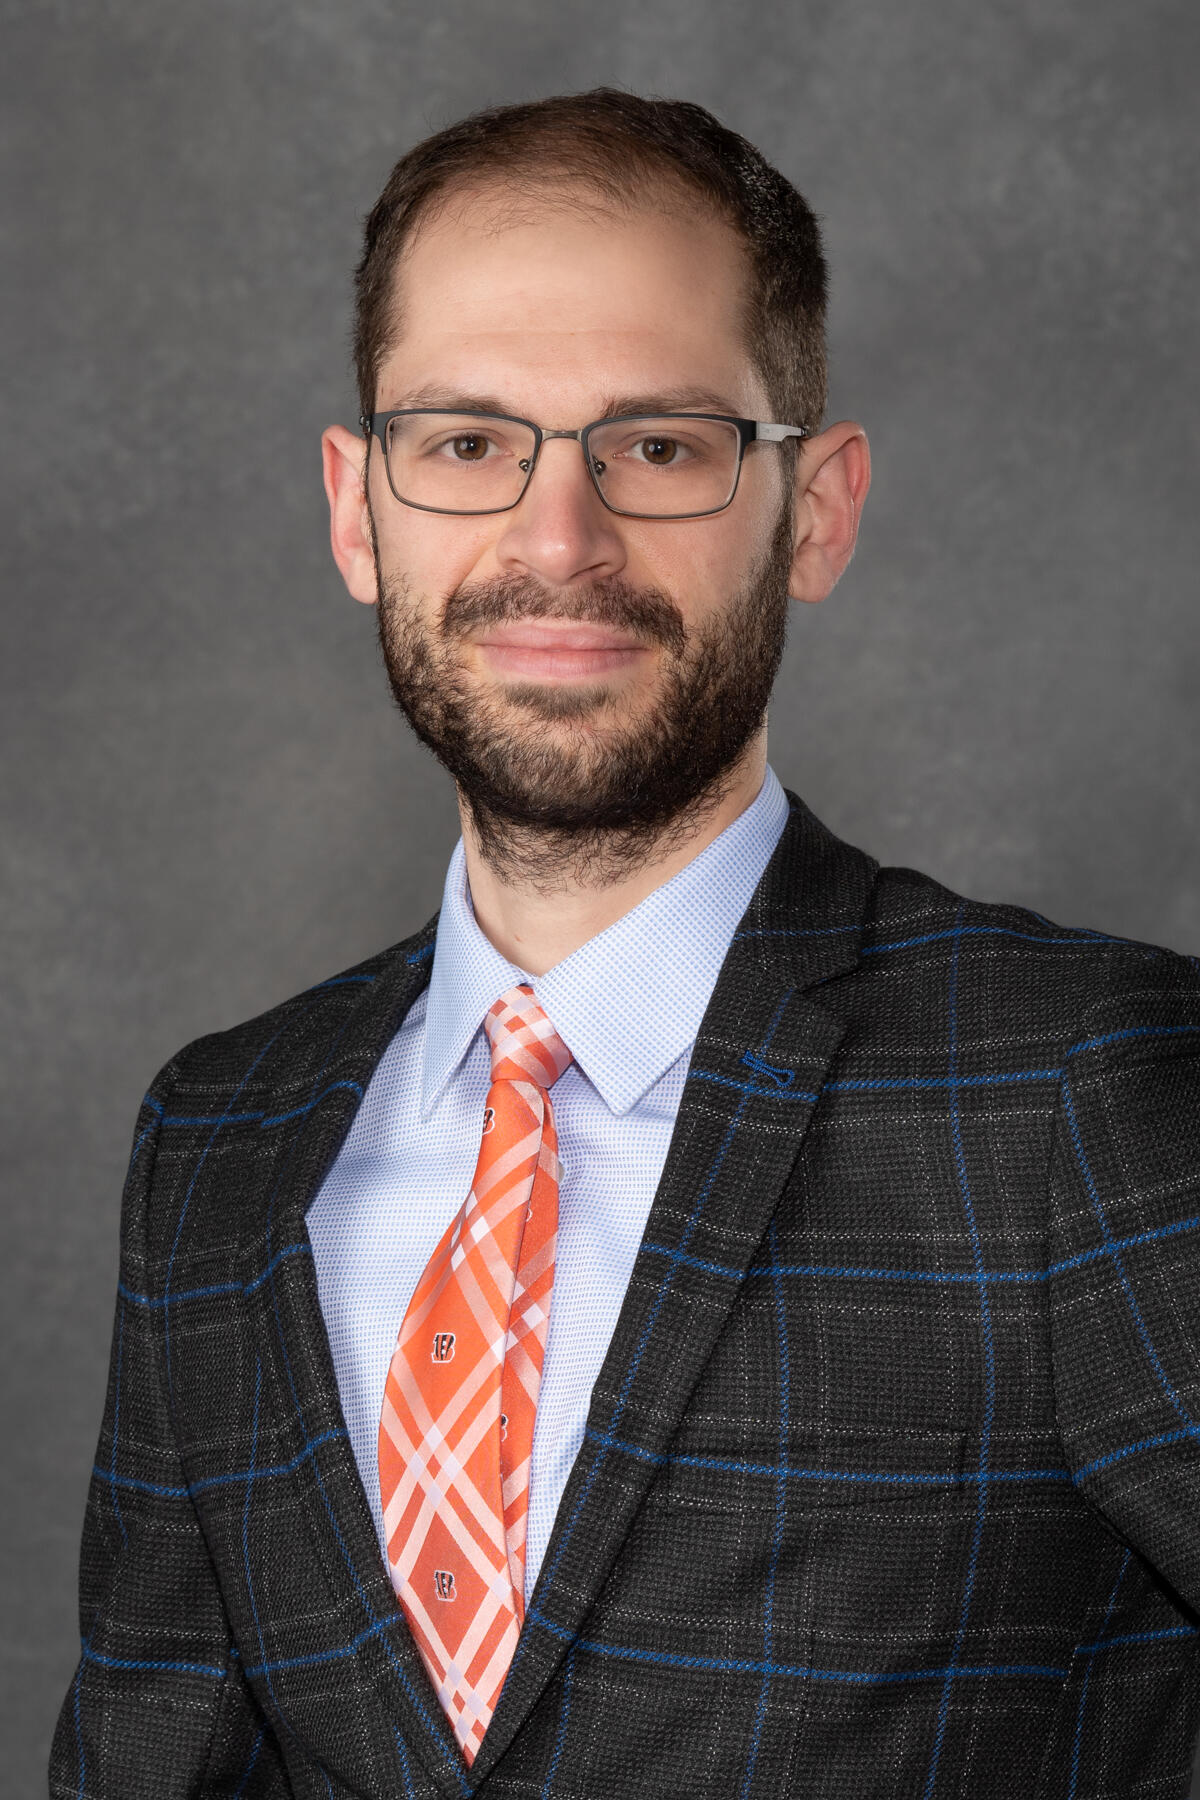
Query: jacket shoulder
x=916 y=919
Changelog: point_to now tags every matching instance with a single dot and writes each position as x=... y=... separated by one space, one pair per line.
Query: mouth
x=558 y=650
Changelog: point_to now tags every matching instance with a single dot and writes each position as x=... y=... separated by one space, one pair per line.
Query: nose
x=561 y=531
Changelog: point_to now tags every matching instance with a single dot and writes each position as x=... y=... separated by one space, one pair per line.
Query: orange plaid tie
x=456 y=1436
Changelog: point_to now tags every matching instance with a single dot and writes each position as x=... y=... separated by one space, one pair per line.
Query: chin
x=598 y=704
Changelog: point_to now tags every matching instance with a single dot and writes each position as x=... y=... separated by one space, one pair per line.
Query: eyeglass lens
x=658 y=467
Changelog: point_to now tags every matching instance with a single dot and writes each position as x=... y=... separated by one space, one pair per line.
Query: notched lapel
x=301 y=1417
x=760 y=1060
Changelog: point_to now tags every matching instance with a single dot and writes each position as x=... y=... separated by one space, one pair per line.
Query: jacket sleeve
x=1124 y=1257
x=158 y=1707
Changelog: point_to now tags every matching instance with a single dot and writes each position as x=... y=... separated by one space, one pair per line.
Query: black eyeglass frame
x=749 y=431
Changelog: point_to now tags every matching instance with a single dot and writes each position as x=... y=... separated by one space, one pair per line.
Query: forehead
x=544 y=301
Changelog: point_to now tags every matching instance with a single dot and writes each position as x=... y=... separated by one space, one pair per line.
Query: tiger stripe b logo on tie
x=456 y=1435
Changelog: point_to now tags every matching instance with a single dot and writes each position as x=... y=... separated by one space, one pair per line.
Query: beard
x=578 y=785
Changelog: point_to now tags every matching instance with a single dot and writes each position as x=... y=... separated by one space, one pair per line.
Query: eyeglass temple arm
x=776 y=434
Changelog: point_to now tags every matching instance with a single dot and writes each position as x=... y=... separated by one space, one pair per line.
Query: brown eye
x=659 y=450
x=470 y=447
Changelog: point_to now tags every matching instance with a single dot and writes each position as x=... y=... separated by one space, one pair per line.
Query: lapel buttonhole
x=783 y=1078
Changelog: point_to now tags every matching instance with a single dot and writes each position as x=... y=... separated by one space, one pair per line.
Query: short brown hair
x=621 y=146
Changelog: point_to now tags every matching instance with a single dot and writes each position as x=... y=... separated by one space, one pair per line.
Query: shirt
x=628 y=1004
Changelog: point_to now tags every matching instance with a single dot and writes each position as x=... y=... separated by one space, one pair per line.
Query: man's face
x=577 y=670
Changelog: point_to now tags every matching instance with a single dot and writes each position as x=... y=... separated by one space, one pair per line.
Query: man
x=707 y=1315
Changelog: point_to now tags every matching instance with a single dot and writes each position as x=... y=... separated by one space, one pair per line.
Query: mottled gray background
x=210 y=802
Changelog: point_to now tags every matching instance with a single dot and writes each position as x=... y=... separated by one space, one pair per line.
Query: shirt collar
x=629 y=1001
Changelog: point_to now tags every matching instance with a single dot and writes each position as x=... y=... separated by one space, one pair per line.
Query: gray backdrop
x=210 y=802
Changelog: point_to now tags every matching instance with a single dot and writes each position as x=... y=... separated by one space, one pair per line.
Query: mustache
x=646 y=613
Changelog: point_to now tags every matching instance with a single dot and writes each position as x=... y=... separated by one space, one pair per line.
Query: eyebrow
x=614 y=406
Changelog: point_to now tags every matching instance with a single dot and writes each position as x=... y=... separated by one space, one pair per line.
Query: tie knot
x=525 y=1045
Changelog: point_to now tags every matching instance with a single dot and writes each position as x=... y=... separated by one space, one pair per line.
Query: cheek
x=432 y=554
x=703 y=571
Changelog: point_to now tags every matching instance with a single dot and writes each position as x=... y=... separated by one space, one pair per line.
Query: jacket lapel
x=293 y=1348
x=759 y=1063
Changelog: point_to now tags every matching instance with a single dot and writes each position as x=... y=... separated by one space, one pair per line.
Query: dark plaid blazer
x=891 y=1483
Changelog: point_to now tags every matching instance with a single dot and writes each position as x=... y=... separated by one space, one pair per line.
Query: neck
x=535 y=923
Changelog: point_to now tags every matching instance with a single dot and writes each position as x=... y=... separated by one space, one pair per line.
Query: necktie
x=456 y=1434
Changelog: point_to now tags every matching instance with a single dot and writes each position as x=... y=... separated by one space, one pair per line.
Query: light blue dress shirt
x=628 y=1003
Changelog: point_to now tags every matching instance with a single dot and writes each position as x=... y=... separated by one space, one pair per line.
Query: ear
x=833 y=473
x=343 y=459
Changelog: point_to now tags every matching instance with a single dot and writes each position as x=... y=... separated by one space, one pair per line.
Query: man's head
x=622 y=153
x=587 y=675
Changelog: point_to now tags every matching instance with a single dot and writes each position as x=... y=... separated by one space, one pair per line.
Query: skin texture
x=553 y=312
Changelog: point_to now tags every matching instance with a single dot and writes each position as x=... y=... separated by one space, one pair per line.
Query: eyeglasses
x=670 y=466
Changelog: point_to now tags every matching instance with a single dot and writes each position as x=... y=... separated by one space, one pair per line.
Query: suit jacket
x=891 y=1478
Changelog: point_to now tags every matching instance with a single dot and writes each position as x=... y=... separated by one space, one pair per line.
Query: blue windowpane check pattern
x=892 y=1462
x=406 y=1165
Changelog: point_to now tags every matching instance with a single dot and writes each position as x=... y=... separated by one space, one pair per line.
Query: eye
x=470 y=446
x=660 y=451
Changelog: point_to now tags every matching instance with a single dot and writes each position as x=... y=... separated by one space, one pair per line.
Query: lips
x=557 y=635
x=558 y=649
